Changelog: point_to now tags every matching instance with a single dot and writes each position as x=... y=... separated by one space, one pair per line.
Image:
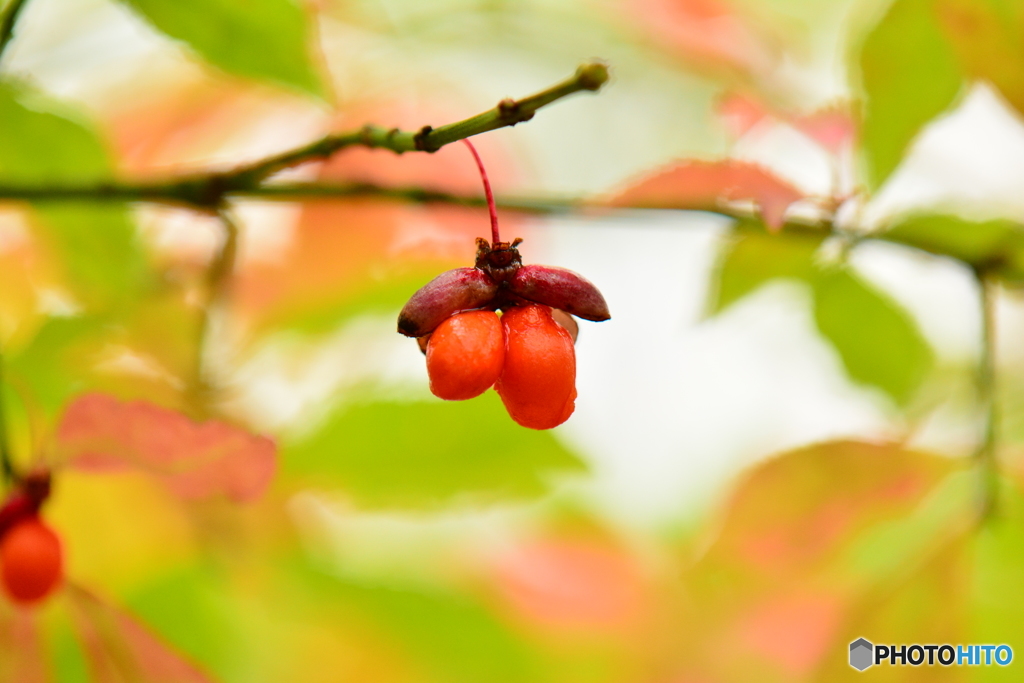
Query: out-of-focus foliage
x=265 y=39
x=251 y=481
x=910 y=75
x=859 y=320
x=96 y=246
x=385 y=454
x=855 y=317
x=997 y=244
x=696 y=185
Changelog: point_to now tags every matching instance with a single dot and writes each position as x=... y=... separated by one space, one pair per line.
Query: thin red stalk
x=495 y=238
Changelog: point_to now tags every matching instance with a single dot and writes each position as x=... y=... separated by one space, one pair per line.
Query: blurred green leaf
x=43 y=143
x=457 y=638
x=750 y=259
x=909 y=75
x=326 y=315
x=996 y=591
x=422 y=454
x=188 y=609
x=885 y=549
x=878 y=342
x=994 y=243
x=100 y=251
x=923 y=603
x=97 y=244
x=261 y=39
x=58 y=362
x=67 y=660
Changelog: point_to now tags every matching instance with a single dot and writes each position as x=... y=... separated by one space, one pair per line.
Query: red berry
x=31 y=561
x=465 y=355
x=538 y=381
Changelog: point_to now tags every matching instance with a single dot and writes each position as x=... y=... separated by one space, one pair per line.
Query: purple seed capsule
x=451 y=292
x=560 y=288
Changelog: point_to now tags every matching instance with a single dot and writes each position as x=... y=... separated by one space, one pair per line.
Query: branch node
x=592 y=76
x=511 y=111
x=420 y=140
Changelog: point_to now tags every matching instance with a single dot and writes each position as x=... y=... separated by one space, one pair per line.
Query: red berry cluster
x=31 y=558
x=527 y=354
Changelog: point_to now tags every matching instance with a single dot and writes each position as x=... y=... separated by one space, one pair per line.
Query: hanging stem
x=985 y=456
x=218 y=280
x=8 y=21
x=6 y=457
x=495 y=237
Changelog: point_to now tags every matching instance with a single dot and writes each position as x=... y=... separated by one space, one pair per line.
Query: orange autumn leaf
x=702 y=185
x=195 y=460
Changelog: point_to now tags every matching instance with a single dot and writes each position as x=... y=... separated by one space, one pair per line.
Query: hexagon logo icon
x=861 y=652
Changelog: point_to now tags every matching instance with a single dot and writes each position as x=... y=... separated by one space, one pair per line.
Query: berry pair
x=31 y=557
x=527 y=354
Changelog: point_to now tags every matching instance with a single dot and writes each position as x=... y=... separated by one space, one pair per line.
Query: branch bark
x=588 y=77
x=10 y=18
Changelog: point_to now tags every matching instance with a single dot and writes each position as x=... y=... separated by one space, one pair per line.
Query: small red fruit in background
x=31 y=558
x=528 y=356
x=31 y=561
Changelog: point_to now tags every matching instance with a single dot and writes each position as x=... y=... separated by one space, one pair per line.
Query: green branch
x=10 y=18
x=196 y=194
x=209 y=191
x=508 y=112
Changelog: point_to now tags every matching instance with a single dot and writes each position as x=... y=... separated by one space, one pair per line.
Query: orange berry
x=538 y=382
x=465 y=354
x=31 y=561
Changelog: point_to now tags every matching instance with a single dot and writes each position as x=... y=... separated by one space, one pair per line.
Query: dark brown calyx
x=500 y=260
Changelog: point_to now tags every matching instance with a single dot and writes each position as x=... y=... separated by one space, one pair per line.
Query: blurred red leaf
x=711 y=34
x=572 y=583
x=119 y=648
x=196 y=460
x=794 y=630
x=774 y=593
x=832 y=127
x=740 y=112
x=22 y=655
x=794 y=511
x=701 y=185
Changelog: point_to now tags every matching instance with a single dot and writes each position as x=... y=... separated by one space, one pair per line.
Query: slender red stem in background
x=495 y=238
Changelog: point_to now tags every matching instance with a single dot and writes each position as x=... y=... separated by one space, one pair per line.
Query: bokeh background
x=771 y=449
